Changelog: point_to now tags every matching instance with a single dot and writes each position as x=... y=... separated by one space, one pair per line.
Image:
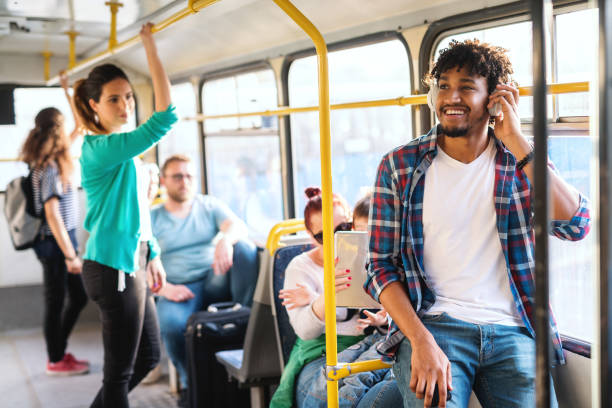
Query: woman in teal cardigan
x=121 y=255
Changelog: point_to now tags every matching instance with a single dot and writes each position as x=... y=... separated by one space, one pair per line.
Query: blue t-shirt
x=187 y=250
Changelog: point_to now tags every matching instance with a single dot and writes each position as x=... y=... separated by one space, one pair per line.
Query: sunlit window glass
x=359 y=137
x=249 y=92
x=571 y=149
x=28 y=102
x=244 y=172
x=576 y=51
x=184 y=137
x=571 y=263
x=243 y=154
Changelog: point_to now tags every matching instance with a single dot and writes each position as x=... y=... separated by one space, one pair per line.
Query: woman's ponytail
x=86 y=114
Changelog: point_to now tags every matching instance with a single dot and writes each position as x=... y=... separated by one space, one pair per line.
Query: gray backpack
x=23 y=221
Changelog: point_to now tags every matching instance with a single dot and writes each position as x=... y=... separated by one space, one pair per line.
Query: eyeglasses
x=344 y=226
x=179 y=176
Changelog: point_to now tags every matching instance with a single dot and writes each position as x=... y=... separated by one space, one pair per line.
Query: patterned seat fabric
x=282 y=257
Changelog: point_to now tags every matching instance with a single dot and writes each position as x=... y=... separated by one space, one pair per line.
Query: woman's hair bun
x=312 y=192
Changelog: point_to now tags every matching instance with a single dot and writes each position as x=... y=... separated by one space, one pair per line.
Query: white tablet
x=352 y=253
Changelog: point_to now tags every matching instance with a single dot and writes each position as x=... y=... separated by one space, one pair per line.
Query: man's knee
x=172 y=328
x=245 y=250
x=171 y=324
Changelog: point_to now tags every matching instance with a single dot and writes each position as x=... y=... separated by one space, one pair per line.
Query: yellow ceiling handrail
x=72 y=35
x=561 y=88
x=114 y=9
x=46 y=64
x=193 y=7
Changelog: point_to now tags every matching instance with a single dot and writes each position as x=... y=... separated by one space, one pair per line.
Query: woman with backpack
x=122 y=256
x=47 y=153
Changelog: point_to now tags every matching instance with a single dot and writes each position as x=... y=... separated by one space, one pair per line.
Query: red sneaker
x=65 y=368
x=69 y=357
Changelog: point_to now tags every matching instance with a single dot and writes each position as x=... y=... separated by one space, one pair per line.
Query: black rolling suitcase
x=221 y=327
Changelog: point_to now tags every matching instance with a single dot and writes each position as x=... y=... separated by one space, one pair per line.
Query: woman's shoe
x=65 y=368
x=69 y=357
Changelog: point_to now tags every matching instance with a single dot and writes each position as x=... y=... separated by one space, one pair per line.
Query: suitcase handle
x=216 y=307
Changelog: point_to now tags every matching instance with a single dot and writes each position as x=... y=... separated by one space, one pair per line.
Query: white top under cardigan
x=303 y=270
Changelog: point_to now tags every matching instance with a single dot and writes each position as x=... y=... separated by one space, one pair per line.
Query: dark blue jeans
x=64 y=295
x=238 y=284
x=496 y=362
x=362 y=390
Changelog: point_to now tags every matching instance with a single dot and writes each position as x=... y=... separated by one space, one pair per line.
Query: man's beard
x=455 y=132
x=461 y=131
x=178 y=197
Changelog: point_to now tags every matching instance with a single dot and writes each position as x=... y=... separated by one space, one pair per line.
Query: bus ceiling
x=76 y=34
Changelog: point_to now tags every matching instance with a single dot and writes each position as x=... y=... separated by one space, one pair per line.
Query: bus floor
x=24 y=384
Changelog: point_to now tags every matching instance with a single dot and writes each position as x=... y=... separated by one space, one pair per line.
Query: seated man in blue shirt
x=204 y=252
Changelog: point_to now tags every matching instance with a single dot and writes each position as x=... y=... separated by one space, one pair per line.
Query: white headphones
x=432 y=98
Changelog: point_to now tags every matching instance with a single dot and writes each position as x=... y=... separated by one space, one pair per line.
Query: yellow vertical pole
x=114 y=8
x=326 y=187
x=47 y=64
x=72 y=50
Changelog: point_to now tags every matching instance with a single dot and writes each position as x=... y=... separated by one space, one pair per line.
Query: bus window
x=249 y=92
x=571 y=263
x=576 y=53
x=184 y=137
x=243 y=154
x=359 y=137
x=570 y=149
x=28 y=102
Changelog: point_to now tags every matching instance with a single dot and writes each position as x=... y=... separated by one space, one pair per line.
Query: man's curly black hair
x=481 y=59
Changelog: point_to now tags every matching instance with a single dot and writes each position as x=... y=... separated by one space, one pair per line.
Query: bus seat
x=285 y=334
x=257 y=364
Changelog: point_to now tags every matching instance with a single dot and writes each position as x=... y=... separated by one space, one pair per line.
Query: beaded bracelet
x=523 y=162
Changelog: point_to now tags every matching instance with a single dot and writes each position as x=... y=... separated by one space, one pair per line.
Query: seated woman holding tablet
x=303 y=383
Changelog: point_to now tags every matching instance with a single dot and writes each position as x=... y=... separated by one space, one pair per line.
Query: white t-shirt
x=303 y=270
x=463 y=258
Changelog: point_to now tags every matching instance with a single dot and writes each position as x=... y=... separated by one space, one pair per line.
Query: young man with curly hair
x=452 y=245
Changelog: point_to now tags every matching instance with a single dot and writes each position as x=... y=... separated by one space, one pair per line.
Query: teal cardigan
x=108 y=176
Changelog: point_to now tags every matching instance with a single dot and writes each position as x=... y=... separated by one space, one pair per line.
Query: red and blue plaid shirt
x=396 y=231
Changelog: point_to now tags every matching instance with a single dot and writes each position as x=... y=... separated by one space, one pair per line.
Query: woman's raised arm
x=161 y=84
x=78 y=126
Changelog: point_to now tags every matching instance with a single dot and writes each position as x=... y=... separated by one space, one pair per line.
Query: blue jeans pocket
x=433 y=317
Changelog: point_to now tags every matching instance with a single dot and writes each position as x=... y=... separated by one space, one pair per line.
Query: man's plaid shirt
x=396 y=231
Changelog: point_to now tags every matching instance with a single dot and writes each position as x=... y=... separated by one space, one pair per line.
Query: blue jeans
x=238 y=284
x=64 y=295
x=369 y=389
x=497 y=362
